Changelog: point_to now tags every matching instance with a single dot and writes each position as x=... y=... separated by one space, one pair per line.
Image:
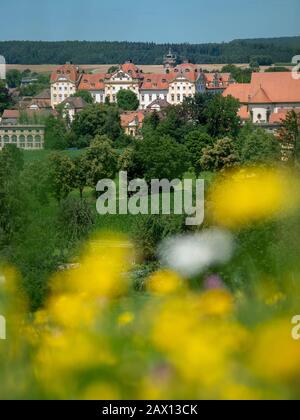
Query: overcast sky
x=192 y=21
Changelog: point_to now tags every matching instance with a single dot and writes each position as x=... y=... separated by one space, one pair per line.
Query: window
x=143 y=98
x=14 y=139
x=178 y=97
x=6 y=139
x=173 y=98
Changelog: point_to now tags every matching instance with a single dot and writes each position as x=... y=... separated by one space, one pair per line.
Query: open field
x=100 y=68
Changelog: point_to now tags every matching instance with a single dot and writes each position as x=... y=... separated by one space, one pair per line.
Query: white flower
x=190 y=255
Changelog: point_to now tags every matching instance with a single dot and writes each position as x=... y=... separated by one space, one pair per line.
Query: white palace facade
x=173 y=86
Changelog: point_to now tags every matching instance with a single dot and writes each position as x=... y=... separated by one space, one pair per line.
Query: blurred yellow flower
x=251 y=195
x=101 y=392
x=216 y=302
x=125 y=318
x=275 y=355
x=164 y=282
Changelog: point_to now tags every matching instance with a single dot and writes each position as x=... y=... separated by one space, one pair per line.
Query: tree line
x=264 y=51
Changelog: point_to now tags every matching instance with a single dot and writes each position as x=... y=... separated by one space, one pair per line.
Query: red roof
x=67 y=70
x=240 y=91
x=92 y=82
x=192 y=76
x=132 y=70
x=155 y=82
x=130 y=117
x=11 y=114
x=281 y=115
x=267 y=88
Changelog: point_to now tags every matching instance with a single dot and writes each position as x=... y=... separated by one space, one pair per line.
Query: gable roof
x=132 y=117
x=45 y=94
x=155 y=82
x=92 y=82
x=267 y=88
x=69 y=71
x=75 y=102
x=11 y=114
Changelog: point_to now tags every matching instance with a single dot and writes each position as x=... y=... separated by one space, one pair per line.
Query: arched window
x=6 y=139
x=30 y=142
x=14 y=139
x=37 y=141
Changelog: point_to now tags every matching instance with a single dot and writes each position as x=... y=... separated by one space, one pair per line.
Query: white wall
x=146 y=97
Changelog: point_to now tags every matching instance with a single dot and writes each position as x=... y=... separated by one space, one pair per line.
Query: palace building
x=174 y=85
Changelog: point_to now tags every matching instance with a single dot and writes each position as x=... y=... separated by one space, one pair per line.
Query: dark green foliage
x=127 y=100
x=278 y=50
x=96 y=120
x=13 y=78
x=258 y=147
x=219 y=156
x=61 y=175
x=12 y=214
x=101 y=160
x=55 y=134
x=84 y=94
x=156 y=157
x=222 y=118
x=5 y=98
x=238 y=74
x=75 y=220
x=195 y=141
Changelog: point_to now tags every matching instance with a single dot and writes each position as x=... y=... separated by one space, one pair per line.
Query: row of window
x=22 y=139
x=152 y=97
x=180 y=87
x=180 y=98
x=63 y=87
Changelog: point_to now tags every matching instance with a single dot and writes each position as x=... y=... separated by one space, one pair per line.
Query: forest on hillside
x=263 y=51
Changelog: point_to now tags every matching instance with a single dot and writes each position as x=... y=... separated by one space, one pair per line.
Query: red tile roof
x=240 y=91
x=92 y=82
x=155 y=82
x=11 y=114
x=267 y=88
x=132 y=70
x=67 y=70
x=129 y=117
x=281 y=115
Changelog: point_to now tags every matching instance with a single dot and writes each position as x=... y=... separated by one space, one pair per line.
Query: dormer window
x=164 y=80
x=148 y=80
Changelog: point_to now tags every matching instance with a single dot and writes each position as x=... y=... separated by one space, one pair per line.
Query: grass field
x=36 y=155
x=100 y=68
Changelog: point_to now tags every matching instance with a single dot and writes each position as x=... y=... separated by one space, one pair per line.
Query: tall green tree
x=127 y=100
x=55 y=134
x=5 y=98
x=220 y=155
x=61 y=175
x=101 y=159
x=222 y=116
x=84 y=94
x=96 y=120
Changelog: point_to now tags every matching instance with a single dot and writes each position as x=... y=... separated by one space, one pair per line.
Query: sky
x=160 y=21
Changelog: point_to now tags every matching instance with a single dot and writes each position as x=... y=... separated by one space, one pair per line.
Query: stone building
x=28 y=137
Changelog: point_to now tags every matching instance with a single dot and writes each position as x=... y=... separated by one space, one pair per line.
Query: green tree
x=5 y=98
x=289 y=133
x=84 y=94
x=74 y=221
x=157 y=157
x=127 y=100
x=222 y=118
x=61 y=175
x=258 y=147
x=195 y=141
x=13 y=78
x=55 y=134
x=219 y=156
x=102 y=160
x=82 y=166
x=12 y=211
x=96 y=120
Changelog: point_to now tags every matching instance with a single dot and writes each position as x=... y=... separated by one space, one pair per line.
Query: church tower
x=170 y=60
